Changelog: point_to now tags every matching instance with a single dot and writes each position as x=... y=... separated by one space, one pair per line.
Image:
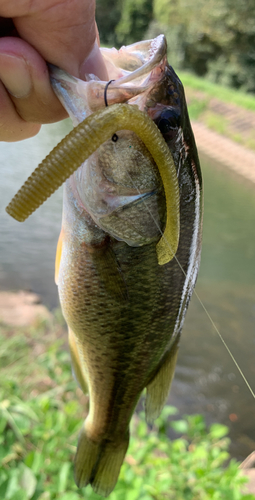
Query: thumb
x=63 y=33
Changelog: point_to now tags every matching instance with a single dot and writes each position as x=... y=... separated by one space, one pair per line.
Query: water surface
x=207 y=380
x=27 y=250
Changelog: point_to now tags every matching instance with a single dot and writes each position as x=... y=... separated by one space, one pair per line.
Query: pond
x=207 y=380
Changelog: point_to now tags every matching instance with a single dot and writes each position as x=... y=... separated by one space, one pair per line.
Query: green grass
x=41 y=412
x=250 y=143
x=197 y=107
x=225 y=94
x=216 y=122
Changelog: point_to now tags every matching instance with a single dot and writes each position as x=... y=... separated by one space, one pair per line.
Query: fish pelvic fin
x=78 y=371
x=99 y=463
x=158 y=389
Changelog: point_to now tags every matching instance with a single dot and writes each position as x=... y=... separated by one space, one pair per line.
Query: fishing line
x=195 y=293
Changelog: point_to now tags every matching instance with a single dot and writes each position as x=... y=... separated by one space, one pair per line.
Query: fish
x=129 y=249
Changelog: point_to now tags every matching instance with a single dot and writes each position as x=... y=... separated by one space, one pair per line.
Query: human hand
x=62 y=33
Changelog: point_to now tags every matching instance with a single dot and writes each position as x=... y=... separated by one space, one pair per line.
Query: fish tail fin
x=99 y=463
x=158 y=389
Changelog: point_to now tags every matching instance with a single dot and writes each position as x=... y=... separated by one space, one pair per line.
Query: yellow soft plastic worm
x=80 y=143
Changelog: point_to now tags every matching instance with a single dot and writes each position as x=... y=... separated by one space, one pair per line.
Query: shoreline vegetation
x=221 y=92
x=41 y=413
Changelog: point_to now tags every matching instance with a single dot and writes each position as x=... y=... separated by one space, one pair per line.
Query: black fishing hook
x=105 y=92
x=114 y=137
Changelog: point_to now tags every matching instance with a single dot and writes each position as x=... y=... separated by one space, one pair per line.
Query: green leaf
x=3 y=488
x=63 y=476
x=45 y=496
x=37 y=462
x=166 y=412
x=179 y=445
x=3 y=422
x=180 y=426
x=19 y=495
x=218 y=431
x=24 y=409
x=27 y=481
x=13 y=425
x=71 y=496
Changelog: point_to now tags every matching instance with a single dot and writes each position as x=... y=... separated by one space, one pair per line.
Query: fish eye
x=168 y=122
x=115 y=138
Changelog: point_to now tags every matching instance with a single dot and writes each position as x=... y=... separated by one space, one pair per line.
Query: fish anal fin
x=158 y=389
x=58 y=256
x=76 y=362
x=99 y=463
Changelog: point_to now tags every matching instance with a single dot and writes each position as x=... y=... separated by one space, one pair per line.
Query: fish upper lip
x=157 y=51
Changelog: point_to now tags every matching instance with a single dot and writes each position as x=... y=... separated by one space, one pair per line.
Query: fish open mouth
x=133 y=71
x=100 y=126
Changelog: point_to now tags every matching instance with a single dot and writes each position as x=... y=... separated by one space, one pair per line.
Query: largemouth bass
x=124 y=299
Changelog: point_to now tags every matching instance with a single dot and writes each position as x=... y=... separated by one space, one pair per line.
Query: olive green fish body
x=121 y=306
x=129 y=250
x=124 y=310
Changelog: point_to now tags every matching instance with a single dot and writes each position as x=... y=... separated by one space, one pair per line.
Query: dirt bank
x=232 y=155
x=224 y=132
x=22 y=309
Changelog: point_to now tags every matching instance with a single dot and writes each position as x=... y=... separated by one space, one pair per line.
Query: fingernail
x=94 y=64
x=15 y=75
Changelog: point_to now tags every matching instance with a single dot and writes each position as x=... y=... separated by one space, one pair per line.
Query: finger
x=12 y=126
x=64 y=33
x=25 y=76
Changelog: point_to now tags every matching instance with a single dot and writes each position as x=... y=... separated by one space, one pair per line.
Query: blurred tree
x=235 y=31
x=108 y=14
x=136 y=16
x=212 y=37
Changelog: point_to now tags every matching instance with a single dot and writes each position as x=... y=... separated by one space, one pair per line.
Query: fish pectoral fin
x=158 y=389
x=110 y=273
x=99 y=463
x=78 y=372
x=58 y=256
